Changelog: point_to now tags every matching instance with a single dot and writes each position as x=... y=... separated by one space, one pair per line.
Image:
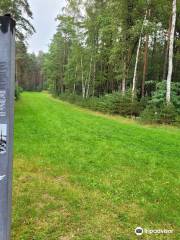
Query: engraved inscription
x=3 y=138
x=3 y=81
x=3 y=75
x=2 y=103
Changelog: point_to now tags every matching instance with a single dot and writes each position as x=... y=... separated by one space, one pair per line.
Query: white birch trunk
x=137 y=57
x=171 y=48
x=124 y=79
x=89 y=80
x=74 y=88
x=83 y=85
x=94 y=78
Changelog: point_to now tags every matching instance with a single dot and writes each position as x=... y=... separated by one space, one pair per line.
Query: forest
x=115 y=56
x=97 y=116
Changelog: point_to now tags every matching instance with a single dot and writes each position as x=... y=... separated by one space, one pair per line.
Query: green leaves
x=21 y=12
x=104 y=36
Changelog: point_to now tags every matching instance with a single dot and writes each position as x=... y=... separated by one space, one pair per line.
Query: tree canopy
x=102 y=47
x=21 y=12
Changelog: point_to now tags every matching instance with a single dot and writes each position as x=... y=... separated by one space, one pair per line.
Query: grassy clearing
x=82 y=176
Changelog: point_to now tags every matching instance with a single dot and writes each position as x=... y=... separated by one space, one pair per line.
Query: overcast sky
x=44 y=12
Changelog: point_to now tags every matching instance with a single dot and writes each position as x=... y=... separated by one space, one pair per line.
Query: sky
x=44 y=14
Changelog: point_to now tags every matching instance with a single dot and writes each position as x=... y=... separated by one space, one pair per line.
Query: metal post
x=7 y=80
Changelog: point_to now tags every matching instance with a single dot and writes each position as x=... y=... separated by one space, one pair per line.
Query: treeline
x=29 y=74
x=123 y=46
x=95 y=48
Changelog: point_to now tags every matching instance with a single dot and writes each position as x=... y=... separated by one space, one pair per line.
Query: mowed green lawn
x=82 y=176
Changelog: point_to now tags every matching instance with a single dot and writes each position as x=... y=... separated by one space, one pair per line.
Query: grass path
x=78 y=175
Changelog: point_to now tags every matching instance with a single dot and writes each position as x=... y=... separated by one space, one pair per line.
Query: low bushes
x=18 y=91
x=157 y=111
x=116 y=103
x=163 y=114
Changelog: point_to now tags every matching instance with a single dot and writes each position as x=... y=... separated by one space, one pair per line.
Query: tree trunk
x=89 y=79
x=124 y=79
x=82 y=79
x=171 y=48
x=145 y=65
x=137 y=57
x=167 y=50
x=74 y=86
x=94 y=78
x=145 y=61
x=135 y=68
x=61 y=82
x=127 y=62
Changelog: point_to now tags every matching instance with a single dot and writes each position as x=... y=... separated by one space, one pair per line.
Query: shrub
x=157 y=111
x=163 y=114
x=168 y=114
x=18 y=91
x=177 y=120
x=150 y=115
x=114 y=103
x=117 y=103
x=159 y=96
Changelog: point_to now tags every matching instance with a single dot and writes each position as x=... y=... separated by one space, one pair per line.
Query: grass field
x=83 y=176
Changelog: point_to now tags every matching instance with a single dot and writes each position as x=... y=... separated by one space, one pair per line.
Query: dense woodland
x=97 y=43
x=83 y=175
x=118 y=56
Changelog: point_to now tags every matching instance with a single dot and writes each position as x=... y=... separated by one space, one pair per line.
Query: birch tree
x=171 y=48
x=167 y=50
x=100 y=47
x=137 y=56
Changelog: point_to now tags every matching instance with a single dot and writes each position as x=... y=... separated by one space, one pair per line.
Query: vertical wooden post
x=7 y=80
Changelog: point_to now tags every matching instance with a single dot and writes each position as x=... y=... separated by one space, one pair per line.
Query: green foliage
x=164 y=113
x=119 y=104
x=115 y=103
x=93 y=54
x=168 y=114
x=157 y=111
x=177 y=122
x=21 y=12
x=28 y=68
x=159 y=96
x=18 y=91
x=53 y=65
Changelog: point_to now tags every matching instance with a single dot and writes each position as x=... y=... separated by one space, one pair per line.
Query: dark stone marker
x=7 y=80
